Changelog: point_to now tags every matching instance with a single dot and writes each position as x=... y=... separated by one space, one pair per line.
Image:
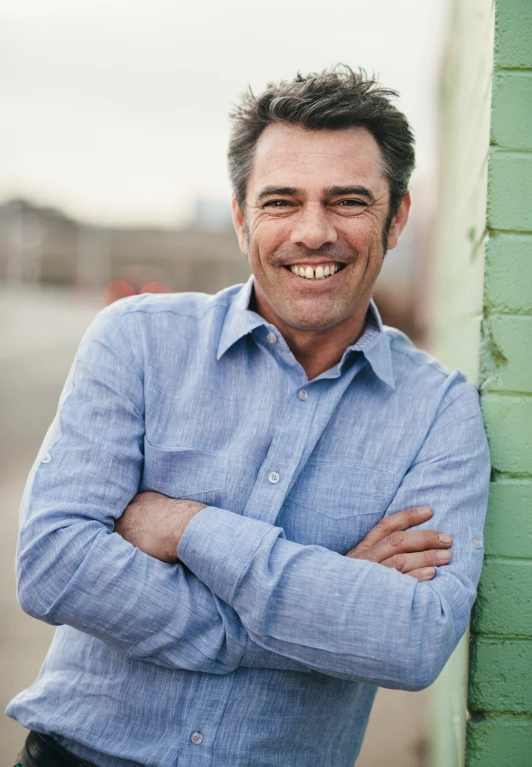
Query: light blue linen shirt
x=266 y=646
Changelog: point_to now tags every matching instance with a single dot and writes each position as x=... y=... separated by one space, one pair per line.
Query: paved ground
x=39 y=332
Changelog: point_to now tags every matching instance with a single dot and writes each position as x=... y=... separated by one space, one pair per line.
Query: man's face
x=318 y=201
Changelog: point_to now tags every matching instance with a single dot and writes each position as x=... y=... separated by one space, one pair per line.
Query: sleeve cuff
x=218 y=545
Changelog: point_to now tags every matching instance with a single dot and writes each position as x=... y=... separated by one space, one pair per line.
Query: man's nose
x=313 y=228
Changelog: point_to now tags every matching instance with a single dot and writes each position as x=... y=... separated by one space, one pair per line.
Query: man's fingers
x=405 y=542
x=423 y=574
x=411 y=541
x=403 y=520
x=408 y=563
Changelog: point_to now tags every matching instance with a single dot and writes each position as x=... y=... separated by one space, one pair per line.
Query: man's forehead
x=286 y=153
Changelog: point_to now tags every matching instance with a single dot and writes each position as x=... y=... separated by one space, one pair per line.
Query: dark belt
x=43 y=751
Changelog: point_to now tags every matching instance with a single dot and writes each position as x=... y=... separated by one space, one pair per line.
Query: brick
x=513 y=33
x=508 y=421
x=500 y=675
x=508 y=273
x=499 y=741
x=504 y=602
x=511 y=110
x=510 y=191
x=508 y=531
x=507 y=353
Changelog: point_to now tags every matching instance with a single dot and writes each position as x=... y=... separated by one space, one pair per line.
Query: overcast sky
x=117 y=111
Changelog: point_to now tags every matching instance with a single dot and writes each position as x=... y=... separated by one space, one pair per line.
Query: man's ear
x=240 y=227
x=399 y=221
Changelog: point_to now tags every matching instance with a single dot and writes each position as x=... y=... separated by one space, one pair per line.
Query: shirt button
x=46 y=458
x=273 y=477
x=477 y=543
x=196 y=738
x=302 y=394
x=272 y=338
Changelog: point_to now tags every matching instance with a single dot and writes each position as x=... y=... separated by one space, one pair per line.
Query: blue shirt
x=267 y=646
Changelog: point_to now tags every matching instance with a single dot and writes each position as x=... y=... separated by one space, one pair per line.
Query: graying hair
x=330 y=100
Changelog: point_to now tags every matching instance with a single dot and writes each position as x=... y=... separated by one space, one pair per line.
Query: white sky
x=117 y=111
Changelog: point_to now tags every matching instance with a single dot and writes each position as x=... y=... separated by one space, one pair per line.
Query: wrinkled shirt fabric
x=266 y=646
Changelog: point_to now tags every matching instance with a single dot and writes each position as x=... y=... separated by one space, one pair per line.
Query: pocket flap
x=343 y=490
x=182 y=472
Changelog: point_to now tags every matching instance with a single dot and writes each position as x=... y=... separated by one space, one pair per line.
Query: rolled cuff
x=218 y=545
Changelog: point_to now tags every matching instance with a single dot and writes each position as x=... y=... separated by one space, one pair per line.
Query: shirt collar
x=373 y=343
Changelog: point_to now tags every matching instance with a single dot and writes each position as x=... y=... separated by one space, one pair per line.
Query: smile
x=318 y=273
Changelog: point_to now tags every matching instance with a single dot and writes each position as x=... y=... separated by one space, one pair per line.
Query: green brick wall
x=499 y=731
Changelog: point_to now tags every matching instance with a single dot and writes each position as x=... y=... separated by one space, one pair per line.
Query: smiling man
x=254 y=508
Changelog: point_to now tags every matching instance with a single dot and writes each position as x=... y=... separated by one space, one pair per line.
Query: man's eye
x=352 y=203
x=276 y=204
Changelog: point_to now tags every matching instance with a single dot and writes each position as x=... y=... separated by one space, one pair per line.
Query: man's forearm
x=140 y=606
x=339 y=616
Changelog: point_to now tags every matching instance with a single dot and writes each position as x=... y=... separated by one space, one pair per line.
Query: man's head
x=320 y=169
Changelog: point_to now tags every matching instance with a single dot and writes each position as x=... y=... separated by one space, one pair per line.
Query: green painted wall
x=499 y=731
x=483 y=293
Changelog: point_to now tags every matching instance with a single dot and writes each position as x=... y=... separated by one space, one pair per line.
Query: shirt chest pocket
x=336 y=505
x=185 y=472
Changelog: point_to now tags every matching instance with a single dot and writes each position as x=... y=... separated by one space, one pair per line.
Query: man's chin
x=312 y=321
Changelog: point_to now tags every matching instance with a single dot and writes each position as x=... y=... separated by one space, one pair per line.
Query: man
x=229 y=518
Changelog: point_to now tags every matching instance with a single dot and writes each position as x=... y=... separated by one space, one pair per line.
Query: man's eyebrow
x=340 y=191
x=282 y=191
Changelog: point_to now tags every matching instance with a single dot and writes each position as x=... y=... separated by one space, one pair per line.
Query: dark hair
x=329 y=100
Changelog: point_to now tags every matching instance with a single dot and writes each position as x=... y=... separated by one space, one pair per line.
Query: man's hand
x=155 y=523
x=414 y=552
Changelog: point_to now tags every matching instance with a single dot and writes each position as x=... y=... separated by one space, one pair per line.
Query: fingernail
x=444 y=538
x=444 y=555
x=423 y=511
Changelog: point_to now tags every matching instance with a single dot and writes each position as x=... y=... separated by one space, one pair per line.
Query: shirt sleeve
x=352 y=618
x=72 y=568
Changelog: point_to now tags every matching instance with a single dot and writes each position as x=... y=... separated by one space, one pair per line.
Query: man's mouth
x=316 y=273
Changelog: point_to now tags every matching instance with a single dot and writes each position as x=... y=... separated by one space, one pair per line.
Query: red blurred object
x=155 y=287
x=117 y=289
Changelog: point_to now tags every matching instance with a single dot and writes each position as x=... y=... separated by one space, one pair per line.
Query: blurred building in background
x=43 y=245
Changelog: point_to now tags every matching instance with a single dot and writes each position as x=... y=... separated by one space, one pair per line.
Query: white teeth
x=319 y=274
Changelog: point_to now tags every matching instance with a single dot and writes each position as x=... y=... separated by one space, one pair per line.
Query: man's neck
x=317 y=350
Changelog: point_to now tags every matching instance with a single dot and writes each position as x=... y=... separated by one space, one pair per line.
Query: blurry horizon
x=117 y=113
